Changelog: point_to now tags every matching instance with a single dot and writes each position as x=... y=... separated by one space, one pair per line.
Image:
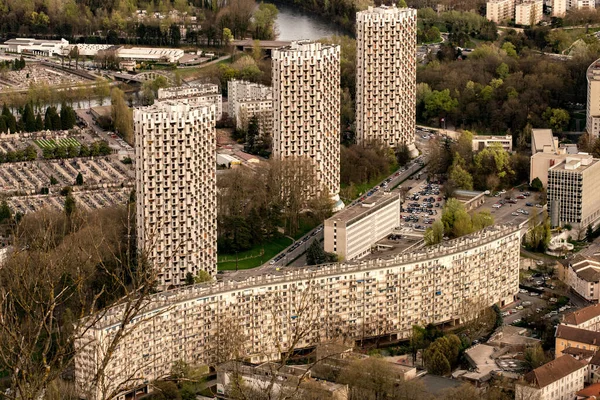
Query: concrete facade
x=574 y=191
x=261 y=109
x=386 y=80
x=446 y=283
x=529 y=12
x=481 y=142
x=176 y=206
x=351 y=233
x=36 y=46
x=592 y=125
x=306 y=101
x=196 y=94
x=241 y=91
x=500 y=10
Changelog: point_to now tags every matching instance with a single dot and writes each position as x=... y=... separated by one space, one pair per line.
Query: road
x=105 y=135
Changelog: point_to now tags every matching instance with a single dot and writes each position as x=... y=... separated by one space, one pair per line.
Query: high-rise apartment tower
x=306 y=102
x=386 y=75
x=176 y=188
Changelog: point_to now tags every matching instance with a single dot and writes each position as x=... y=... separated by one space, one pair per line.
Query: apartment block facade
x=386 y=75
x=306 y=102
x=239 y=91
x=574 y=191
x=592 y=124
x=175 y=148
x=265 y=313
x=530 y=12
x=261 y=109
x=352 y=232
x=203 y=93
x=500 y=11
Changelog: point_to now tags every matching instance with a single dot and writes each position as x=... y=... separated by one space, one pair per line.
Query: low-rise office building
x=559 y=379
x=207 y=93
x=583 y=276
x=263 y=315
x=567 y=336
x=529 y=12
x=482 y=142
x=574 y=191
x=587 y=318
x=352 y=232
x=36 y=46
x=500 y=10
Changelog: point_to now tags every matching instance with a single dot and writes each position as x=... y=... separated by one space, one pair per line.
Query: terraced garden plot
x=51 y=143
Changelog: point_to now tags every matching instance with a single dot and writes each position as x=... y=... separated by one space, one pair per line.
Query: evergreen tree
x=28 y=118
x=39 y=123
x=69 y=205
x=79 y=179
x=5 y=212
x=315 y=254
x=11 y=121
x=3 y=127
x=68 y=117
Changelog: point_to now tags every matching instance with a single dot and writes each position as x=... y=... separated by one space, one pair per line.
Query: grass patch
x=254 y=257
x=52 y=144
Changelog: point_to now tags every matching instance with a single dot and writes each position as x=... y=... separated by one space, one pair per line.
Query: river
x=294 y=24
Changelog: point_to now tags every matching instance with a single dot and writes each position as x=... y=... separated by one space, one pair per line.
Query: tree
x=435 y=233
x=436 y=363
x=122 y=115
x=439 y=103
x=202 y=276
x=68 y=117
x=165 y=390
x=5 y=212
x=79 y=179
x=39 y=123
x=189 y=278
x=536 y=185
x=460 y=178
x=589 y=233
x=402 y=154
x=29 y=118
x=315 y=254
x=70 y=205
x=53 y=180
x=535 y=357
x=557 y=118
x=112 y=37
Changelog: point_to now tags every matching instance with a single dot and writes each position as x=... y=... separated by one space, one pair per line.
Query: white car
x=497 y=205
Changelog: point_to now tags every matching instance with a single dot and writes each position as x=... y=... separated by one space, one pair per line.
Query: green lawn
x=252 y=258
x=51 y=143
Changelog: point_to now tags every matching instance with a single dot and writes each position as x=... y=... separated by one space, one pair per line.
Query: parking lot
x=516 y=212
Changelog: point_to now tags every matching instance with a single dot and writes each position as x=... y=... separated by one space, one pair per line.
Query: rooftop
x=577 y=352
x=371 y=203
x=541 y=138
x=575 y=162
x=553 y=371
x=580 y=316
x=492 y=137
x=578 y=335
x=592 y=391
x=593 y=71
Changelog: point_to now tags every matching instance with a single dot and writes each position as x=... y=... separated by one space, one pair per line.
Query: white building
x=89 y=50
x=574 y=191
x=386 y=75
x=352 y=232
x=529 y=12
x=559 y=379
x=261 y=109
x=242 y=91
x=582 y=4
x=583 y=276
x=387 y=296
x=500 y=11
x=175 y=146
x=306 y=126
x=587 y=318
x=36 y=46
x=158 y=54
x=206 y=93
x=480 y=142
x=592 y=125
x=559 y=8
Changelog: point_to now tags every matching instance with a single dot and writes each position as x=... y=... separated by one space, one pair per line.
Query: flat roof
x=593 y=71
x=371 y=203
x=575 y=162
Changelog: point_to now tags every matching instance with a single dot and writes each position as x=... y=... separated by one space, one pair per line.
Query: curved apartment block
x=261 y=316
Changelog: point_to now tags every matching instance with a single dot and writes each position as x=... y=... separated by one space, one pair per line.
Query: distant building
x=261 y=109
x=176 y=188
x=567 y=336
x=559 y=8
x=559 y=379
x=582 y=4
x=243 y=91
x=352 y=232
x=306 y=101
x=157 y=54
x=481 y=142
x=40 y=47
x=592 y=124
x=291 y=382
x=586 y=318
x=583 y=276
x=386 y=80
x=529 y=12
x=89 y=50
x=205 y=93
x=543 y=141
x=574 y=191
x=500 y=11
